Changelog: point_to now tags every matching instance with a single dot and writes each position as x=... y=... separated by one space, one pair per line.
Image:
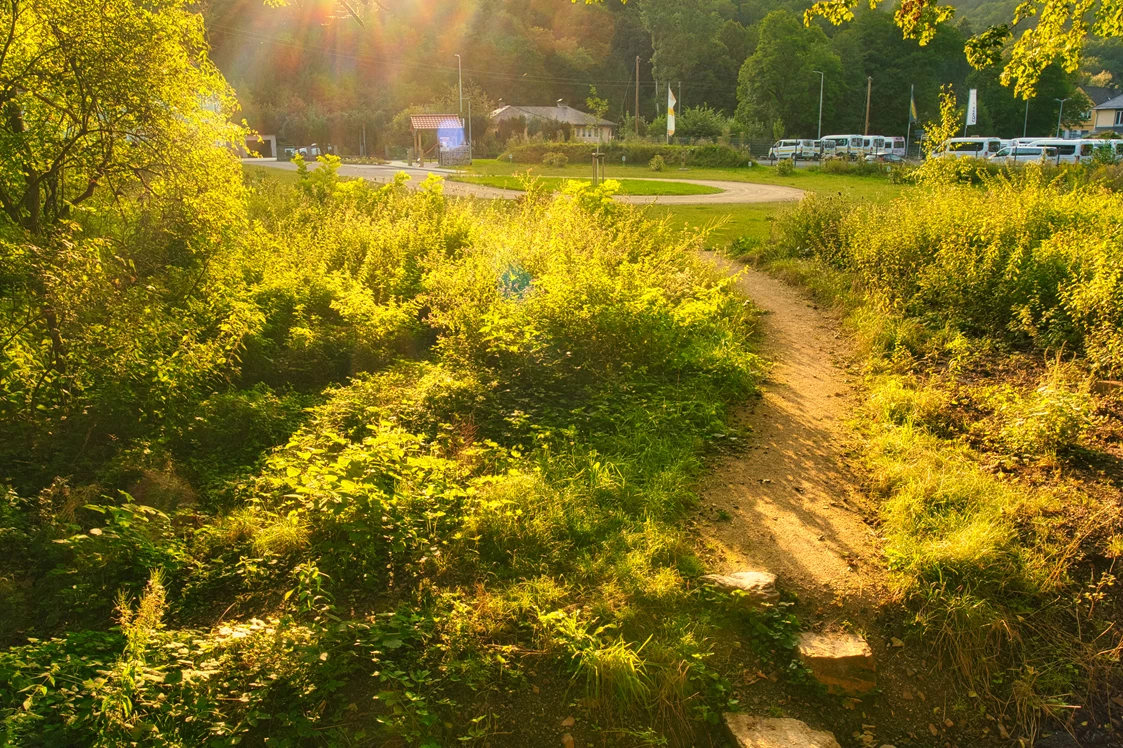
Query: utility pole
x=1025 y=125
x=822 y=80
x=637 y=96
x=869 y=88
x=460 y=83
x=1060 y=114
x=469 y=131
x=679 y=102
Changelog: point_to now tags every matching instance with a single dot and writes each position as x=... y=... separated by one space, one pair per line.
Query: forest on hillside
x=312 y=72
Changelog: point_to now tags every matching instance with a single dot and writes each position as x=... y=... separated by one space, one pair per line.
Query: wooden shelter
x=449 y=129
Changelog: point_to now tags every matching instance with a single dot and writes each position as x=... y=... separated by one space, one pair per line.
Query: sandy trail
x=792 y=503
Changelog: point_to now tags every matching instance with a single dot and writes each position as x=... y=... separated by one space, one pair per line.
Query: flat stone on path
x=759 y=587
x=748 y=731
x=842 y=662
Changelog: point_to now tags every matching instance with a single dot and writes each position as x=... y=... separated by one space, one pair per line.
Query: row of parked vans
x=1021 y=150
x=839 y=146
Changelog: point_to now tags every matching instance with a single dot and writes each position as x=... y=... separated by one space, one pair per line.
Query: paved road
x=731 y=192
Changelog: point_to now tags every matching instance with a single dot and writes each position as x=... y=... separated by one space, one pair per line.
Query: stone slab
x=759 y=587
x=748 y=731
x=842 y=662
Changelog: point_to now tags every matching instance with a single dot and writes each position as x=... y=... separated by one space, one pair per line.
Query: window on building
x=1119 y=116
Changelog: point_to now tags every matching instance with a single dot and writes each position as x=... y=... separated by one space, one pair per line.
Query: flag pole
x=908 y=131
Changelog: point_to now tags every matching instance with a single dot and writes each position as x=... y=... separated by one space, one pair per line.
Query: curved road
x=731 y=192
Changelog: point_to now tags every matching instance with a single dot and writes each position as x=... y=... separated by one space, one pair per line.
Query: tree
x=114 y=94
x=1057 y=35
x=778 y=82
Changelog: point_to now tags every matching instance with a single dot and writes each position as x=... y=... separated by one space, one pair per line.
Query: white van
x=1068 y=151
x=782 y=149
x=808 y=150
x=841 y=146
x=896 y=146
x=872 y=145
x=970 y=148
x=1024 y=154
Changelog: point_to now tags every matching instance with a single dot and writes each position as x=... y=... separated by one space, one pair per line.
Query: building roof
x=435 y=122
x=559 y=113
x=1115 y=103
x=1099 y=94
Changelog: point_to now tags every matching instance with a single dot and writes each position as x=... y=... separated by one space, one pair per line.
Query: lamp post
x=1025 y=125
x=460 y=83
x=1060 y=114
x=822 y=79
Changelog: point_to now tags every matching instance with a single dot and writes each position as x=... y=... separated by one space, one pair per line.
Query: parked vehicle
x=1024 y=154
x=841 y=146
x=970 y=148
x=1069 y=151
x=885 y=157
x=896 y=146
x=784 y=149
x=809 y=150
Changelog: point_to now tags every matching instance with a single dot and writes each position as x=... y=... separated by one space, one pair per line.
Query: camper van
x=970 y=148
x=841 y=146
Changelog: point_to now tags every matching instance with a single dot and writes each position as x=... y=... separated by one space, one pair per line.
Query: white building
x=584 y=127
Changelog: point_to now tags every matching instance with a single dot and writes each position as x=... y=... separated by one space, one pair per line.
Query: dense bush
x=555 y=160
x=1024 y=257
x=715 y=156
x=657 y=163
x=430 y=436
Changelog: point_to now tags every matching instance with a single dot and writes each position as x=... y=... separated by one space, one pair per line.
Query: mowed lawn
x=848 y=185
x=627 y=186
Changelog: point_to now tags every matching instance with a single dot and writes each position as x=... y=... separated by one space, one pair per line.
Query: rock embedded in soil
x=757 y=587
x=842 y=662
x=748 y=731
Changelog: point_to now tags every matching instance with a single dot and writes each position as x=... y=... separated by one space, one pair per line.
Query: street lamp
x=1060 y=114
x=822 y=79
x=460 y=83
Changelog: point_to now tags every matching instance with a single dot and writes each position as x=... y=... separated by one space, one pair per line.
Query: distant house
x=584 y=127
x=1098 y=95
x=1108 y=116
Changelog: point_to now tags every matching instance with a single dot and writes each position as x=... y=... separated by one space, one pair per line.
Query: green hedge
x=636 y=153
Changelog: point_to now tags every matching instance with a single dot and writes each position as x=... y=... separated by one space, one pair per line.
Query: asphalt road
x=731 y=192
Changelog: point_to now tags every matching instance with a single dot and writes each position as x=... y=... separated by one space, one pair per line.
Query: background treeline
x=313 y=72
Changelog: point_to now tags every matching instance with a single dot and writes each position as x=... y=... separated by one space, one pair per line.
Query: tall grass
x=983 y=315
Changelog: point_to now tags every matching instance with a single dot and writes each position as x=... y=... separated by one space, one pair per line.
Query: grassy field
x=627 y=186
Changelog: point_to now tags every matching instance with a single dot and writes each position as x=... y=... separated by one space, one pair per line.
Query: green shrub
x=443 y=426
x=785 y=167
x=555 y=160
x=657 y=163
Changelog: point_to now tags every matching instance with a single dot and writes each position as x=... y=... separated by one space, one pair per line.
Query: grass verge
x=627 y=186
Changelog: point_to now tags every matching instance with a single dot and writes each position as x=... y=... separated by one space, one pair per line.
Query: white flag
x=671 y=101
x=973 y=107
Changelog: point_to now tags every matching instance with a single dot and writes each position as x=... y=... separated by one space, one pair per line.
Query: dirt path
x=788 y=504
